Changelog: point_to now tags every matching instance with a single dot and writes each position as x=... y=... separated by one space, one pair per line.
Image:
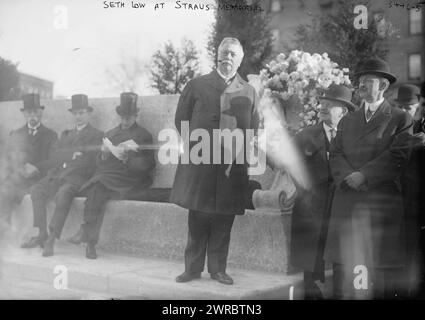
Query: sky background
x=85 y=56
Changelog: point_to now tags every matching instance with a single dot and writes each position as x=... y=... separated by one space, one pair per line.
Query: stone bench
x=260 y=239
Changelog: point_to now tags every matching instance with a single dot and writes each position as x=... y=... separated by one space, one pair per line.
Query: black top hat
x=128 y=104
x=31 y=102
x=80 y=102
x=407 y=94
x=339 y=93
x=377 y=67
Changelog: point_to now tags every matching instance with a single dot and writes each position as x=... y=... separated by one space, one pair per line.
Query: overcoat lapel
x=214 y=80
x=314 y=142
x=318 y=140
x=38 y=136
x=379 y=120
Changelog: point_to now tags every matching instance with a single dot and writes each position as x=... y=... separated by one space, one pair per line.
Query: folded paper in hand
x=119 y=149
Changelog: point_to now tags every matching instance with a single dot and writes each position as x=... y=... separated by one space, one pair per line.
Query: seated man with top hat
x=25 y=157
x=121 y=168
x=72 y=164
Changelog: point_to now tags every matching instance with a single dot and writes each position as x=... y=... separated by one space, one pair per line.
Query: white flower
x=311 y=71
x=284 y=76
x=281 y=57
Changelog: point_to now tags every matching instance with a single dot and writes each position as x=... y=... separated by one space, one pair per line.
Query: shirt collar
x=131 y=128
x=373 y=106
x=34 y=128
x=79 y=128
x=328 y=128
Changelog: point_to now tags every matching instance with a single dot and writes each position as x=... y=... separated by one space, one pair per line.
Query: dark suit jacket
x=310 y=206
x=24 y=148
x=79 y=170
x=368 y=225
x=205 y=187
x=413 y=186
x=123 y=178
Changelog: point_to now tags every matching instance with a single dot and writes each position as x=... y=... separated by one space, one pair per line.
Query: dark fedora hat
x=80 y=102
x=31 y=102
x=408 y=94
x=128 y=104
x=339 y=93
x=377 y=67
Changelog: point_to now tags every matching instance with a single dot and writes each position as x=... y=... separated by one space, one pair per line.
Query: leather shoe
x=76 y=238
x=34 y=242
x=222 y=277
x=48 y=248
x=186 y=277
x=91 y=252
x=312 y=291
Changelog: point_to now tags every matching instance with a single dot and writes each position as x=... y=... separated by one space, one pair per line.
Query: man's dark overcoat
x=206 y=187
x=367 y=226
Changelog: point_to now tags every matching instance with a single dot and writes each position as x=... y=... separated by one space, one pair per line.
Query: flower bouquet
x=302 y=77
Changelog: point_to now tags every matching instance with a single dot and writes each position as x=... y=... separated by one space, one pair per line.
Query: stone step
x=259 y=239
x=12 y=288
x=122 y=277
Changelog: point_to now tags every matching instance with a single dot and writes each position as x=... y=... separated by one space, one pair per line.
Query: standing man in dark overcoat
x=73 y=163
x=413 y=184
x=366 y=239
x=116 y=175
x=213 y=193
x=25 y=156
x=310 y=215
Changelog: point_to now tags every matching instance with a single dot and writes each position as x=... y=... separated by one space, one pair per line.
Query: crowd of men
x=362 y=215
x=78 y=163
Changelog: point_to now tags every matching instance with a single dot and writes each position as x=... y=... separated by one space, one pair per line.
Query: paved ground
x=22 y=289
x=27 y=275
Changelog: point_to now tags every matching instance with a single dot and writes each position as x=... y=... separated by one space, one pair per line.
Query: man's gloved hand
x=123 y=154
x=30 y=170
x=355 y=180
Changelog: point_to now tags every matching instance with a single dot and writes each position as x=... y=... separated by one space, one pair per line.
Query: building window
x=326 y=4
x=415 y=66
x=415 y=21
x=276 y=6
x=380 y=23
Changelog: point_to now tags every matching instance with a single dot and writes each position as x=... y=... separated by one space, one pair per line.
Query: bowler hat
x=80 y=102
x=339 y=93
x=407 y=94
x=31 y=102
x=128 y=104
x=376 y=67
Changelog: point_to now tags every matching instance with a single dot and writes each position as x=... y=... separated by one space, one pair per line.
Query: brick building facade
x=406 y=49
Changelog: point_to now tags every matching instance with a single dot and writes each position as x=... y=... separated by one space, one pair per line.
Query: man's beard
x=226 y=68
x=33 y=122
